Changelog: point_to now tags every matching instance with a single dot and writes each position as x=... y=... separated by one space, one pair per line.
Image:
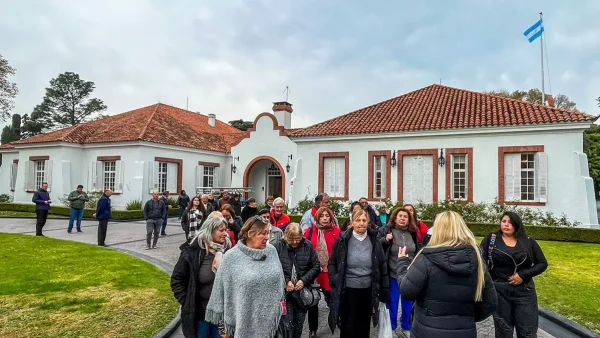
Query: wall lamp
x=393 y=159
x=233 y=167
x=441 y=159
x=287 y=167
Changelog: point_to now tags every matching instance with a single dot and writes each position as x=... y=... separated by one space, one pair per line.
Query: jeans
x=207 y=330
x=393 y=303
x=152 y=226
x=164 y=225
x=517 y=310
x=41 y=216
x=75 y=214
x=181 y=209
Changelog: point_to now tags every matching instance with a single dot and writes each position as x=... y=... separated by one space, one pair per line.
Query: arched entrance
x=266 y=177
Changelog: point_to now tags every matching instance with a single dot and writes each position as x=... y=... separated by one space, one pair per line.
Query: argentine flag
x=534 y=31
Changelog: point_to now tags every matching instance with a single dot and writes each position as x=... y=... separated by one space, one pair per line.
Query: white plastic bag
x=385 y=323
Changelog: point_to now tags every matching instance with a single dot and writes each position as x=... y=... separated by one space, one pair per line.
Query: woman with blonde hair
x=449 y=283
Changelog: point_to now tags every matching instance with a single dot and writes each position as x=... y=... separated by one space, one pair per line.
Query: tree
x=241 y=124
x=67 y=103
x=591 y=146
x=534 y=95
x=598 y=100
x=8 y=90
x=12 y=132
x=35 y=123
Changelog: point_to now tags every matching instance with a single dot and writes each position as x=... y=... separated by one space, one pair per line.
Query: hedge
x=542 y=233
x=87 y=213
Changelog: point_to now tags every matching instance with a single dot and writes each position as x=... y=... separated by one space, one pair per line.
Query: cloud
x=234 y=58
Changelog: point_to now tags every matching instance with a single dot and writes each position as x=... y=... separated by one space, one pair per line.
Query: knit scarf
x=195 y=217
x=247 y=292
x=322 y=251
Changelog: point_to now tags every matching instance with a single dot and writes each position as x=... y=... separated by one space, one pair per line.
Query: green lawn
x=55 y=288
x=571 y=285
x=23 y=214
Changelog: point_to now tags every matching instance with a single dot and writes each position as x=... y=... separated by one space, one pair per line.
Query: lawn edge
x=567 y=324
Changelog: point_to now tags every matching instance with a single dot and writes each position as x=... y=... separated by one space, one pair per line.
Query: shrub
x=340 y=208
x=87 y=213
x=4 y=198
x=172 y=202
x=135 y=204
x=94 y=196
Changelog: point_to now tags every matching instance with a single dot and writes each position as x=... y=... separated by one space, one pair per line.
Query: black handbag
x=310 y=296
x=284 y=330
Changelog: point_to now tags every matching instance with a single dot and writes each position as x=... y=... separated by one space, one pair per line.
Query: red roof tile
x=158 y=123
x=7 y=146
x=440 y=107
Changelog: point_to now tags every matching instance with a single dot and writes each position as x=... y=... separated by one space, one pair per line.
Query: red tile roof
x=440 y=107
x=159 y=123
x=7 y=146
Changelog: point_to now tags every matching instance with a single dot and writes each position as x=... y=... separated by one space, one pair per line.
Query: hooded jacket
x=442 y=282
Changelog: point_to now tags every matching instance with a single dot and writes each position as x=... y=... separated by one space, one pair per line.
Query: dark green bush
x=340 y=208
x=135 y=204
x=87 y=213
x=4 y=198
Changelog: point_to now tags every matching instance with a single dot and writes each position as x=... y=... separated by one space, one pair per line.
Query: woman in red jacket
x=421 y=227
x=322 y=235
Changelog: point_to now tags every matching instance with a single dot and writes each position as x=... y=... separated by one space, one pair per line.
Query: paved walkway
x=131 y=236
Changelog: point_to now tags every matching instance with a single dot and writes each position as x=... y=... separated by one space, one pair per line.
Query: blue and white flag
x=534 y=31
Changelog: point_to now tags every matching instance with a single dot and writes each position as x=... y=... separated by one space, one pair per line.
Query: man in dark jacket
x=155 y=211
x=182 y=202
x=165 y=199
x=103 y=215
x=373 y=217
x=77 y=201
x=42 y=201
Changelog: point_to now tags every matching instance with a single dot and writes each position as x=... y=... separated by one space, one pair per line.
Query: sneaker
x=148 y=247
x=164 y=234
x=69 y=232
x=154 y=247
x=79 y=231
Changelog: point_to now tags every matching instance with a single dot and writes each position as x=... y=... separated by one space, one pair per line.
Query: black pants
x=355 y=313
x=102 y=226
x=41 y=216
x=517 y=309
x=313 y=312
x=296 y=317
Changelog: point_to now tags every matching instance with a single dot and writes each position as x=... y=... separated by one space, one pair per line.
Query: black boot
x=312 y=334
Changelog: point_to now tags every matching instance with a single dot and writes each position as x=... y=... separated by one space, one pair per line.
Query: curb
x=566 y=324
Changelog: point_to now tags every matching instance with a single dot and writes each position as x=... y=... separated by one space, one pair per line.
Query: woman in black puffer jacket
x=295 y=251
x=449 y=283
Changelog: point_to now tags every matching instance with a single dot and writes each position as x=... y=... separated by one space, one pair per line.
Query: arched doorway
x=266 y=177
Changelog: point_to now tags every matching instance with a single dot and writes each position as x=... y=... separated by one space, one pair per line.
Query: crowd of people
x=260 y=275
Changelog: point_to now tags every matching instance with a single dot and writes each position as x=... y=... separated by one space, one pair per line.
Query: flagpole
x=542 y=58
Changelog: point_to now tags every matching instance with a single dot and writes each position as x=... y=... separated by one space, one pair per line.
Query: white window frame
x=100 y=178
x=528 y=181
x=109 y=175
x=208 y=176
x=334 y=176
x=39 y=173
x=379 y=176
x=524 y=176
x=162 y=176
x=456 y=174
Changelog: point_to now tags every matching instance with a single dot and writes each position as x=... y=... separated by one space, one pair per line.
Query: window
x=39 y=173
x=162 y=177
x=165 y=174
x=523 y=176
x=379 y=177
x=334 y=178
x=459 y=176
x=208 y=178
x=110 y=174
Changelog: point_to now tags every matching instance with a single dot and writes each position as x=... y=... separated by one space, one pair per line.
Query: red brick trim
x=209 y=164
x=179 y=172
x=108 y=158
x=276 y=126
x=434 y=156
x=15 y=161
x=39 y=158
x=513 y=149
x=346 y=156
x=388 y=174
x=269 y=158
x=459 y=151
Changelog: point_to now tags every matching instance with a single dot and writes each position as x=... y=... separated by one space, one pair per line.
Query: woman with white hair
x=194 y=274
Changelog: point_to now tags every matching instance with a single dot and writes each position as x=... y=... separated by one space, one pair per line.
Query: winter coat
x=380 y=282
x=103 y=208
x=421 y=231
x=248 y=212
x=282 y=222
x=39 y=197
x=184 y=283
x=308 y=218
x=442 y=282
x=307 y=262
x=373 y=218
x=237 y=207
x=183 y=201
x=155 y=210
x=387 y=246
x=312 y=235
x=75 y=202
x=236 y=227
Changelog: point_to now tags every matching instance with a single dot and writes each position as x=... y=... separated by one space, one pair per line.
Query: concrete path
x=131 y=236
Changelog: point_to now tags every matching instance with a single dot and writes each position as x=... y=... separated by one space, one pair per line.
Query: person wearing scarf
x=192 y=218
x=248 y=291
x=194 y=274
x=421 y=227
x=322 y=234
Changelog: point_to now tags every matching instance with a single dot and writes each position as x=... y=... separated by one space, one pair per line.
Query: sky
x=234 y=58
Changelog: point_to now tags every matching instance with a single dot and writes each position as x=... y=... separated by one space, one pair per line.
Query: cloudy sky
x=234 y=57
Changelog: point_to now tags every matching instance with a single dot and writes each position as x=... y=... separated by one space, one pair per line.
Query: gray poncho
x=247 y=291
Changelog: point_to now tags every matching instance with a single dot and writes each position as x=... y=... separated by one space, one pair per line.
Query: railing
x=218 y=191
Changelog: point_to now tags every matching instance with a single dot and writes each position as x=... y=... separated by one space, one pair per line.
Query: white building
x=493 y=147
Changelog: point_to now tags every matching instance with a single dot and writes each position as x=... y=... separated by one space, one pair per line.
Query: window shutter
x=541 y=177
x=29 y=179
x=91 y=177
x=217 y=177
x=172 y=177
x=383 y=160
x=512 y=177
x=99 y=176
x=407 y=183
x=152 y=176
x=119 y=177
x=427 y=192
x=328 y=168
x=13 y=176
x=199 y=176
x=48 y=173
x=340 y=171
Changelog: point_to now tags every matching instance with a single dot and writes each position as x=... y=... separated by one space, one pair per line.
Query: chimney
x=212 y=118
x=550 y=100
x=283 y=112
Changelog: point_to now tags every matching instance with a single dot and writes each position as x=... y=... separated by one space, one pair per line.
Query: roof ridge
x=143 y=131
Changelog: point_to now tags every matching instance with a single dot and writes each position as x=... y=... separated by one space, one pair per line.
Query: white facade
x=559 y=183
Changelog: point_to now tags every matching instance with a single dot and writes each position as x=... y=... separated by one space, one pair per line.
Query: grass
x=55 y=288
x=23 y=214
x=571 y=285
